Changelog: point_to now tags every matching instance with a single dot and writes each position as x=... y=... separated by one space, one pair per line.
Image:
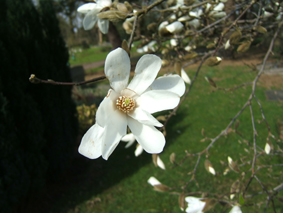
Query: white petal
x=236 y=209
x=138 y=150
x=163 y=24
x=103 y=25
x=227 y=45
x=170 y=83
x=90 y=145
x=195 y=205
x=153 y=181
x=158 y=100
x=175 y=27
x=195 y=23
x=173 y=42
x=151 y=140
x=85 y=8
x=113 y=132
x=184 y=18
x=104 y=3
x=117 y=69
x=113 y=121
x=146 y=71
x=129 y=138
x=90 y=19
x=106 y=108
x=219 y=7
x=185 y=77
x=211 y=170
x=267 y=148
x=160 y=163
x=144 y=117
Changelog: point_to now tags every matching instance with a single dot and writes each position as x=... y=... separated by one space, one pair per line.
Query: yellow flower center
x=125 y=104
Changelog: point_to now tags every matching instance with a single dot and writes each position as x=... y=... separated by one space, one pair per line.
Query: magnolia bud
x=33 y=79
x=112 y=15
x=235 y=37
x=128 y=27
x=129 y=6
x=122 y=7
x=178 y=67
x=152 y=27
x=125 y=47
x=244 y=47
x=260 y=29
x=213 y=61
x=211 y=45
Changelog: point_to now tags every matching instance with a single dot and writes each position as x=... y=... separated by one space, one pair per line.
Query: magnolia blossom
x=195 y=205
x=149 y=47
x=236 y=209
x=91 y=10
x=131 y=105
x=175 y=27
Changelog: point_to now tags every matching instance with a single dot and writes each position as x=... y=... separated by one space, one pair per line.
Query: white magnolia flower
x=91 y=10
x=236 y=209
x=175 y=27
x=195 y=22
x=217 y=11
x=195 y=205
x=131 y=105
x=149 y=47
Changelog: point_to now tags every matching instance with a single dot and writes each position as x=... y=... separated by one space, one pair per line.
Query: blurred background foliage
x=38 y=123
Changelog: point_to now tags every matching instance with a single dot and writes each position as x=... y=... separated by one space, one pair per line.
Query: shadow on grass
x=87 y=178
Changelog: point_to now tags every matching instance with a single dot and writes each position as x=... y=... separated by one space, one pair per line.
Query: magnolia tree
x=181 y=33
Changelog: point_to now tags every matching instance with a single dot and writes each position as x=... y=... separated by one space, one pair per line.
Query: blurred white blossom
x=91 y=10
x=236 y=209
x=195 y=205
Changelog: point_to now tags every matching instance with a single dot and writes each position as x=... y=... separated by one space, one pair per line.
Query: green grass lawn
x=92 y=54
x=120 y=184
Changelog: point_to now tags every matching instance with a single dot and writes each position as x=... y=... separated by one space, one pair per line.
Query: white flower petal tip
x=90 y=146
x=175 y=27
x=211 y=170
x=236 y=209
x=195 y=205
x=129 y=139
x=160 y=163
x=173 y=42
x=227 y=44
x=267 y=148
x=86 y=7
x=139 y=150
x=230 y=160
x=91 y=10
x=185 y=76
x=153 y=181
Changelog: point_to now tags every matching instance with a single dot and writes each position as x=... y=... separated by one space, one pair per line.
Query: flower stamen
x=125 y=104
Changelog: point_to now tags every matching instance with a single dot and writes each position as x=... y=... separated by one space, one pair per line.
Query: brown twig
x=33 y=79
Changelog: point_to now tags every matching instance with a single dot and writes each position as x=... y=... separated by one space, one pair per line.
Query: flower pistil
x=125 y=104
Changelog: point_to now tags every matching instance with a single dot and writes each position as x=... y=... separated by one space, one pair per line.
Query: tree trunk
x=113 y=36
